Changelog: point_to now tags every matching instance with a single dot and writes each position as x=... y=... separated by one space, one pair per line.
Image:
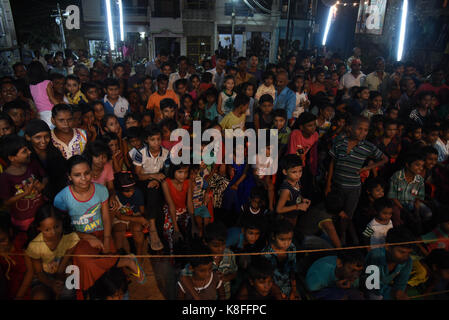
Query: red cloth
x=297 y=140
x=91 y=269
x=178 y=197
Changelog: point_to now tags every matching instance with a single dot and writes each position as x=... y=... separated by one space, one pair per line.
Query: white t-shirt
x=377 y=232
x=150 y=164
x=348 y=80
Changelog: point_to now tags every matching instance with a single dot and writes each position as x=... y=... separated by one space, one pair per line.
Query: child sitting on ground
x=284 y=263
x=129 y=216
x=260 y=284
x=201 y=282
x=376 y=231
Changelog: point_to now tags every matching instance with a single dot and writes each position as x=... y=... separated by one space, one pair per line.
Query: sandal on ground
x=155 y=242
x=140 y=275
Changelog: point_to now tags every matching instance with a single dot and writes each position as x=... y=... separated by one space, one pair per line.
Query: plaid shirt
x=405 y=192
x=282 y=271
x=347 y=165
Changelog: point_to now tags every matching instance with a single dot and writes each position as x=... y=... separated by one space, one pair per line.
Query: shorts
x=202 y=211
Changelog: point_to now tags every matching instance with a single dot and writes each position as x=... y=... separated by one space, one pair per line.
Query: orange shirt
x=155 y=100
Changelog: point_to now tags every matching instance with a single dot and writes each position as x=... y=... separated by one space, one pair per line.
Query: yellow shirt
x=38 y=249
x=76 y=98
x=231 y=121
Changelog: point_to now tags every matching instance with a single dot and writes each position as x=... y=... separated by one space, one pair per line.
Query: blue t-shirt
x=85 y=215
x=132 y=203
x=396 y=279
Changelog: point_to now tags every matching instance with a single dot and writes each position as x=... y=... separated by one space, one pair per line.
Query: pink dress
x=106 y=175
x=40 y=97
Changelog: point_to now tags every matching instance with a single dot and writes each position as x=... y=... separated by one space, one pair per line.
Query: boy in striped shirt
x=348 y=155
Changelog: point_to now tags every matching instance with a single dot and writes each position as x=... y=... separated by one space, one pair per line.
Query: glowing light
x=328 y=23
x=120 y=9
x=142 y=35
x=402 y=32
x=109 y=17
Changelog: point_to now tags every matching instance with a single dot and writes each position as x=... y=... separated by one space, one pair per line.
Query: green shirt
x=405 y=192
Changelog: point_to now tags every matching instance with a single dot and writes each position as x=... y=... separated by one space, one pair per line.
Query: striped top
x=347 y=165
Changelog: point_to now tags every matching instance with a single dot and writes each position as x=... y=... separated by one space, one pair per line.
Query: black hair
x=201 y=250
x=44 y=212
x=240 y=59
x=206 y=77
x=16 y=104
x=36 y=73
x=87 y=86
x=110 y=82
x=398 y=235
x=61 y=107
x=290 y=161
x=117 y=65
x=5 y=117
x=334 y=202
x=351 y=257
x=249 y=222
x=74 y=78
x=390 y=122
x=86 y=108
x=178 y=82
x=76 y=108
x=171 y=124
x=108 y=284
x=373 y=182
x=10 y=146
x=106 y=118
x=228 y=77
x=133 y=115
x=163 y=52
x=423 y=94
x=245 y=86
x=260 y=268
x=268 y=74
x=412 y=157
x=95 y=149
x=212 y=91
x=76 y=160
x=428 y=150
x=280 y=226
x=134 y=132
x=175 y=167
x=241 y=100
x=382 y=203
x=151 y=130
x=168 y=103
x=183 y=58
x=161 y=77
x=123 y=178
x=56 y=76
x=193 y=76
x=304 y=118
x=108 y=137
x=266 y=98
x=280 y=113
x=215 y=231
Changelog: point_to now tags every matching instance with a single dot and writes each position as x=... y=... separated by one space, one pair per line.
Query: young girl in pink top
x=41 y=91
x=99 y=155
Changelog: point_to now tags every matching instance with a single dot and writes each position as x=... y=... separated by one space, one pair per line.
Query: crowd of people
x=86 y=173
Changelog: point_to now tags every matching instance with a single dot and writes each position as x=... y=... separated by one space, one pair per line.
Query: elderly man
x=353 y=78
x=285 y=97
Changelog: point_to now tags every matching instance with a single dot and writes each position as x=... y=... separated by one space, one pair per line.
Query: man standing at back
x=285 y=97
x=154 y=67
x=183 y=67
x=218 y=73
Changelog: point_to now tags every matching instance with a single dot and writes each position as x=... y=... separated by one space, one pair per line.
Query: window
x=135 y=7
x=197 y=4
x=166 y=9
x=198 y=48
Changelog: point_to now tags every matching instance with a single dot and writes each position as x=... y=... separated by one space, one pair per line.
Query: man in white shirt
x=218 y=73
x=182 y=73
x=353 y=78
